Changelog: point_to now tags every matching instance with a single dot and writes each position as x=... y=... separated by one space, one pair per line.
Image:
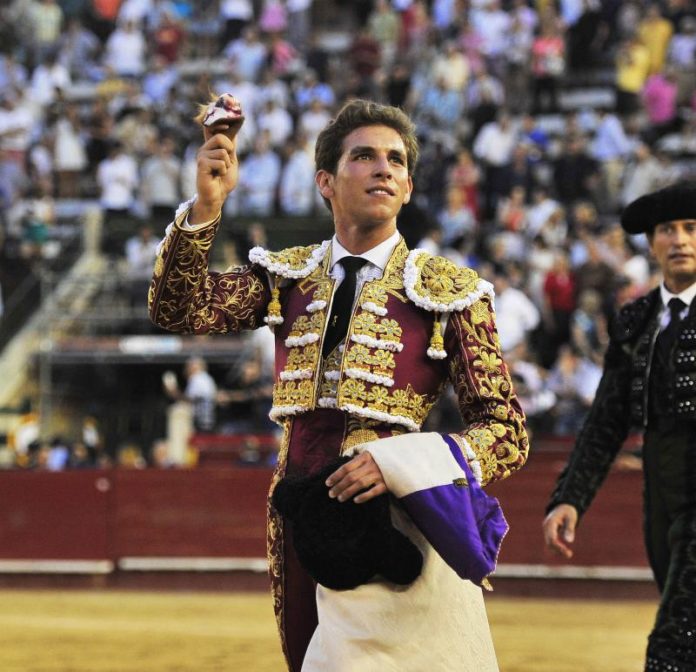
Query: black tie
x=342 y=303
x=668 y=335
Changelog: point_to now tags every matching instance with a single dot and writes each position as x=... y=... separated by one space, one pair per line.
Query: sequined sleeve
x=601 y=437
x=186 y=297
x=495 y=437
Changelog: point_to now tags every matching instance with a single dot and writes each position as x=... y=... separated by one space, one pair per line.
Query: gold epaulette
x=292 y=262
x=439 y=285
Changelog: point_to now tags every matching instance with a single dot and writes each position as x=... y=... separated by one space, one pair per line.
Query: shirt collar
x=378 y=256
x=687 y=296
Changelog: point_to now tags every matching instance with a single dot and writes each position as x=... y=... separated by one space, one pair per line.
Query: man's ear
x=324 y=180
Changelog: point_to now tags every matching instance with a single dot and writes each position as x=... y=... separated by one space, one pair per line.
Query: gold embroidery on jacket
x=442 y=281
x=484 y=389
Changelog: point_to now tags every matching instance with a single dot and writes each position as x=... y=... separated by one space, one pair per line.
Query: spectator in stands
x=659 y=96
x=492 y=23
x=682 y=56
x=365 y=58
x=531 y=384
x=384 y=26
x=587 y=37
x=588 y=328
x=493 y=146
x=573 y=380
x=299 y=14
x=49 y=80
x=117 y=179
x=518 y=57
x=312 y=120
x=512 y=211
x=168 y=38
x=517 y=315
x=610 y=147
x=632 y=69
x=465 y=175
x=160 y=179
x=559 y=294
x=648 y=357
x=248 y=54
x=140 y=253
x=309 y=88
x=18 y=118
x=79 y=51
x=456 y=219
x=297 y=187
x=276 y=122
x=548 y=67
x=643 y=174
x=260 y=178
x=439 y=110
x=125 y=50
x=575 y=173
x=69 y=153
x=451 y=67
x=655 y=32
x=46 y=21
x=200 y=392
x=236 y=15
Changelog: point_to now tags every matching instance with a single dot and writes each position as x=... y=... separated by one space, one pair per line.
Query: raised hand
x=217 y=165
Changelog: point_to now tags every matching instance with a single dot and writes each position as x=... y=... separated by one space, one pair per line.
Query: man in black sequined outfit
x=649 y=381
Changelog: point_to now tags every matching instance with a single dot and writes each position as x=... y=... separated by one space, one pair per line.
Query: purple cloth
x=462 y=523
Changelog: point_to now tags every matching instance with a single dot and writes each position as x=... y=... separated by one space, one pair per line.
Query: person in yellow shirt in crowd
x=632 y=69
x=655 y=32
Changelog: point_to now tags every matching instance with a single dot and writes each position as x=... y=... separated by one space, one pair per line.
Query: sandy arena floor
x=109 y=631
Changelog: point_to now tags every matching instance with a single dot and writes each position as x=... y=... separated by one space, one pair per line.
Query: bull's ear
x=287 y=496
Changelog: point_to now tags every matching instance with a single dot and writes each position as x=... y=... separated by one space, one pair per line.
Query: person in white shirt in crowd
x=18 y=118
x=48 y=79
x=126 y=50
x=493 y=146
x=610 y=147
x=140 y=253
x=260 y=176
x=69 y=153
x=200 y=392
x=313 y=119
x=160 y=181
x=277 y=122
x=539 y=212
x=270 y=86
x=493 y=24
x=159 y=80
x=297 y=186
x=516 y=315
x=117 y=179
x=248 y=53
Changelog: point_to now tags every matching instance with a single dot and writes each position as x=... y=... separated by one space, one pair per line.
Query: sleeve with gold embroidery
x=493 y=418
x=186 y=297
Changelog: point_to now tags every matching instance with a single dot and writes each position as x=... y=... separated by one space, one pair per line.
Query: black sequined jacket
x=621 y=401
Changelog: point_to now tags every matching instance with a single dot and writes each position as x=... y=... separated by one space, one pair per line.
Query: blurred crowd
x=538 y=120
